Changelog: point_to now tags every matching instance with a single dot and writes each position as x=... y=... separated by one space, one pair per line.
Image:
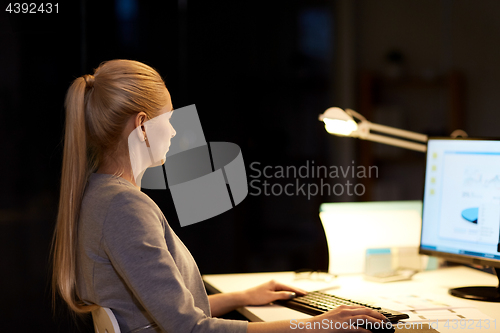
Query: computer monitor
x=461 y=207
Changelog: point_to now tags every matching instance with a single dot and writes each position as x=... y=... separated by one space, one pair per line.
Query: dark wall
x=259 y=73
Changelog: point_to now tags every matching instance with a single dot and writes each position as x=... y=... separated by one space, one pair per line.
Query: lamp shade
x=338 y=122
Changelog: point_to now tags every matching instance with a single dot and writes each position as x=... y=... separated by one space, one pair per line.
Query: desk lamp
x=340 y=122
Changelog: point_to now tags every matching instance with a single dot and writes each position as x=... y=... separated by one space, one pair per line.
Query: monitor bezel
x=458 y=258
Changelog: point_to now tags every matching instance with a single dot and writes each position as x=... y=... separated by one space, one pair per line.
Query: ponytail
x=75 y=172
x=97 y=110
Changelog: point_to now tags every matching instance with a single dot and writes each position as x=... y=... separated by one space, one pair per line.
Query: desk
x=433 y=283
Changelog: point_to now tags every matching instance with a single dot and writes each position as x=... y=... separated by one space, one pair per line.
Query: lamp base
x=486 y=294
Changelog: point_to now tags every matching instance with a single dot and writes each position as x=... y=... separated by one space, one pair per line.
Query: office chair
x=105 y=321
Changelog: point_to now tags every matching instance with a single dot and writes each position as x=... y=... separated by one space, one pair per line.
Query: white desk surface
x=430 y=284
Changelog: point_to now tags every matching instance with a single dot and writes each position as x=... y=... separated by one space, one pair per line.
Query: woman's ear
x=140 y=118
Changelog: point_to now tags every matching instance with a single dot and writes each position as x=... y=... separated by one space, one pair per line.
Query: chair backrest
x=105 y=321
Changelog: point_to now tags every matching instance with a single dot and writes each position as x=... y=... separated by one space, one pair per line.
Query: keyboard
x=316 y=302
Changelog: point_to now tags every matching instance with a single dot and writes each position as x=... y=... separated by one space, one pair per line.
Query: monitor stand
x=487 y=294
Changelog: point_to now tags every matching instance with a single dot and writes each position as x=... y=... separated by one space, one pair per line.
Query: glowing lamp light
x=340 y=127
x=338 y=122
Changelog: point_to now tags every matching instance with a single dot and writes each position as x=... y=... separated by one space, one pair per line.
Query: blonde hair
x=97 y=109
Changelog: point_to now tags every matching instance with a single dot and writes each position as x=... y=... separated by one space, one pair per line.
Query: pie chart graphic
x=471 y=214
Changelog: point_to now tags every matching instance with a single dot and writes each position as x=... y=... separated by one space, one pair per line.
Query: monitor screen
x=461 y=205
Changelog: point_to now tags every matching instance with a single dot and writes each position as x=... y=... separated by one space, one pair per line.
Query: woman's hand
x=342 y=319
x=348 y=319
x=265 y=293
x=270 y=292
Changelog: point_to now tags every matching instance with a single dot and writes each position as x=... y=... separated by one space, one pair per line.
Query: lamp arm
x=354 y=114
x=395 y=142
x=397 y=132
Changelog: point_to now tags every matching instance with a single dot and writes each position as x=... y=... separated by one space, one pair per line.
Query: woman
x=112 y=244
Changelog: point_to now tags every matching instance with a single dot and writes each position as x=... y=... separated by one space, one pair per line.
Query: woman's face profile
x=168 y=128
x=165 y=133
x=160 y=131
x=149 y=141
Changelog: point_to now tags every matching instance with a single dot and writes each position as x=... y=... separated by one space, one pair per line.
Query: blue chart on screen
x=470 y=214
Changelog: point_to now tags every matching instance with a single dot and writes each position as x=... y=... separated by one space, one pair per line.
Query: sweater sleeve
x=134 y=242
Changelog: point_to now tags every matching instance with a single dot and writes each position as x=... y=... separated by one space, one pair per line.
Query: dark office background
x=259 y=73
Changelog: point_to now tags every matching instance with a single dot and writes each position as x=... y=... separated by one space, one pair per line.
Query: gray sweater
x=130 y=260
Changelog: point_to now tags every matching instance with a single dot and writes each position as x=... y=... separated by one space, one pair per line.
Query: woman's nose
x=173 y=131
